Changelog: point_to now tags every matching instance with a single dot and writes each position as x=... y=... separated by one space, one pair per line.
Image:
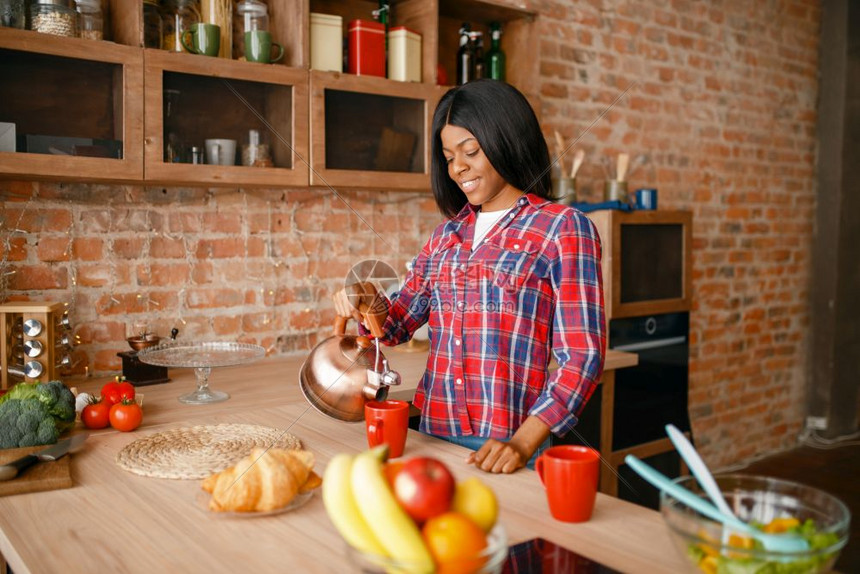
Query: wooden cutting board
x=41 y=476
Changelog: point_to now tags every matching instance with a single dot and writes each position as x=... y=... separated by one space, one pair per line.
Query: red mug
x=569 y=474
x=387 y=422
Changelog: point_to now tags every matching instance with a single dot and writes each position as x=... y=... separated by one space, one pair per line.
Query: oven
x=647 y=398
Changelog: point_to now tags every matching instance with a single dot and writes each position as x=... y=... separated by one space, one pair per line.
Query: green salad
x=707 y=556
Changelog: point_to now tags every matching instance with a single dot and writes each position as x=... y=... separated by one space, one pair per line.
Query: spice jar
x=152 y=26
x=256 y=153
x=13 y=13
x=90 y=20
x=251 y=16
x=57 y=17
x=179 y=16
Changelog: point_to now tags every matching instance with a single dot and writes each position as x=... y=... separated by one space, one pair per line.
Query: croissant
x=263 y=481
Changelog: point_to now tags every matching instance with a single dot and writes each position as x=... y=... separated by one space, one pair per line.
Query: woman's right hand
x=357 y=300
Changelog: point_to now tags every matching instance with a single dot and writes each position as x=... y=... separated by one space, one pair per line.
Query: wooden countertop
x=112 y=520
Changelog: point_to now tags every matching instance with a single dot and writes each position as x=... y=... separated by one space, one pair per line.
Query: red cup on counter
x=387 y=422
x=569 y=473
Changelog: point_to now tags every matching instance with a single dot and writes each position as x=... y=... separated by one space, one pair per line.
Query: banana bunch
x=362 y=507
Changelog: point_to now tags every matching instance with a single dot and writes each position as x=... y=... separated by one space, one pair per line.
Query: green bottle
x=495 y=56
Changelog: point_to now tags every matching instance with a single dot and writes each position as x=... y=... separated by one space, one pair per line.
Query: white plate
x=300 y=500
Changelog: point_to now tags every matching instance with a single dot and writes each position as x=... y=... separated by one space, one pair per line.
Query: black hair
x=509 y=134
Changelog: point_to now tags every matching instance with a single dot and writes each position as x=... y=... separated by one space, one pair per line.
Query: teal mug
x=258 y=47
x=205 y=39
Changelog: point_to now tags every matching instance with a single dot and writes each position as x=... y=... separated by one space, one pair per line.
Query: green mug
x=205 y=39
x=258 y=47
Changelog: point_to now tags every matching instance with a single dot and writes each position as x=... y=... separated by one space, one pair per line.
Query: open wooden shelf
x=356 y=131
x=61 y=87
x=226 y=99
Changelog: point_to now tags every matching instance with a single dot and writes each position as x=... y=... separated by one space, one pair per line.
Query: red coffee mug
x=569 y=474
x=387 y=422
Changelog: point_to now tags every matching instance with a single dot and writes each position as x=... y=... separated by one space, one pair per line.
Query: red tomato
x=96 y=415
x=424 y=488
x=110 y=393
x=115 y=391
x=126 y=415
x=126 y=390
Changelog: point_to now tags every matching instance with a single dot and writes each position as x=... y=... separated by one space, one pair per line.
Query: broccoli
x=35 y=414
x=26 y=422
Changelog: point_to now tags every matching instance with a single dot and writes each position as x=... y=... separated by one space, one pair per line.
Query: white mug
x=220 y=152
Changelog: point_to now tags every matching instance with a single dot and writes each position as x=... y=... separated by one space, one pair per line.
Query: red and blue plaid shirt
x=532 y=287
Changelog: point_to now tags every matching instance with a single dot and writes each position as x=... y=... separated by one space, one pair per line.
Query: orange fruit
x=455 y=542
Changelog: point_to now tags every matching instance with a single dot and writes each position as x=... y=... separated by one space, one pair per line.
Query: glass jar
x=251 y=16
x=152 y=26
x=179 y=16
x=90 y=20
x=57 y=17
x=13 y=13
x=220 y=13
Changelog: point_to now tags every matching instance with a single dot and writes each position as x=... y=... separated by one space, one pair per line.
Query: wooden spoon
x=577 y=162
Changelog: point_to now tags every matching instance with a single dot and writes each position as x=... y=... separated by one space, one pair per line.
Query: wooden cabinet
x=189 y=99
x=356 y=131
x=77 y=110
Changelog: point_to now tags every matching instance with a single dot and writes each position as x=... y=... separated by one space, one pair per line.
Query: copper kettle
x=344 y=371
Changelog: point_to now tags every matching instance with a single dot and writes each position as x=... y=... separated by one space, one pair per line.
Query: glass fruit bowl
x=776 y=505
x=488 y=561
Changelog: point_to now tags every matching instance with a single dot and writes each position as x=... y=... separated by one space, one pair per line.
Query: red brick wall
x=721 y=107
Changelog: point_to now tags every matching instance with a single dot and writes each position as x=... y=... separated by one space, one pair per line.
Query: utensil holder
x=614 y=190
x=564 y=190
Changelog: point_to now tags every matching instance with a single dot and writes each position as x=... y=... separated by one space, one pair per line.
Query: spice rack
x=34 y=338
x=113 y=101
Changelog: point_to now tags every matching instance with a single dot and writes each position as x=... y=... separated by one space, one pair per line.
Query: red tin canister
x=366 y=48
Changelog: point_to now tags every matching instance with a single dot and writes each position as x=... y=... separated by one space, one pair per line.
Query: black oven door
x=647 y=397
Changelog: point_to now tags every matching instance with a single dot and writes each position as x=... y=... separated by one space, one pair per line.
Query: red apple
x=424 y=487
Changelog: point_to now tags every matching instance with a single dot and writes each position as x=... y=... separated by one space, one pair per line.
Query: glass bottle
x=179 y=16
x=477 y=39
x=172 y=143
x=152 y=26
x=496 y=57
x=382 y=15
x=90 y=19
x=465 y=57
x=251 y=16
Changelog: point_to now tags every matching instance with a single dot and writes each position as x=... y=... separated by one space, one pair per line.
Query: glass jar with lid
x=152 y=26
x=179 y=16
x=57 y=17
x=251 y=16
x=90 y=19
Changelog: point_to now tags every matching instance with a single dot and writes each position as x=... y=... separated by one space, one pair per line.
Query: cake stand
x=202 y=357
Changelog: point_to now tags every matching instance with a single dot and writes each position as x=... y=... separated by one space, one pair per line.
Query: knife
x=12 y=469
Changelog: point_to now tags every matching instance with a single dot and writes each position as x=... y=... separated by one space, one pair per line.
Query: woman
x=507 y=278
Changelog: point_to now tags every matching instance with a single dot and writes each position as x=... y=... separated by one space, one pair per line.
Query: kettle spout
x=374 y=390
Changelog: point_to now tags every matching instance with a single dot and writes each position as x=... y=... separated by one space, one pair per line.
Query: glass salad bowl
x=771 y=504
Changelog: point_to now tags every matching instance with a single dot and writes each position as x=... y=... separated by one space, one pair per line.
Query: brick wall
x=720 y=107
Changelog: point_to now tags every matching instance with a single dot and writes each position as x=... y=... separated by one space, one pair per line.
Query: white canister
x=404 y=55
x=326 y=42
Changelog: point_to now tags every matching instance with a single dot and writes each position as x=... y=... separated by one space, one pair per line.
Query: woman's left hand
x=498 y=457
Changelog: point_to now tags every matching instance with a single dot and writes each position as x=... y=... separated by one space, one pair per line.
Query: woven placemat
x=199 y=451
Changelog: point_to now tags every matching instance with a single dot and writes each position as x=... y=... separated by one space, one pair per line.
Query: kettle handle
x=372 y=306
x=374 y=321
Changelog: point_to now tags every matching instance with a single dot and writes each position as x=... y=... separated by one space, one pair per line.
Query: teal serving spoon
x=780 y=543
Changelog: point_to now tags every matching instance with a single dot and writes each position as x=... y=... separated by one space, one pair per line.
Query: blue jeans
x=476 y=442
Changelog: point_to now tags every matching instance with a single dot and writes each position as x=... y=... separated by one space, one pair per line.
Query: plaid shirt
x=532 y=287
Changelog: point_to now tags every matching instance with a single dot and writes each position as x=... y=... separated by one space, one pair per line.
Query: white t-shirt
x=485 y=223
